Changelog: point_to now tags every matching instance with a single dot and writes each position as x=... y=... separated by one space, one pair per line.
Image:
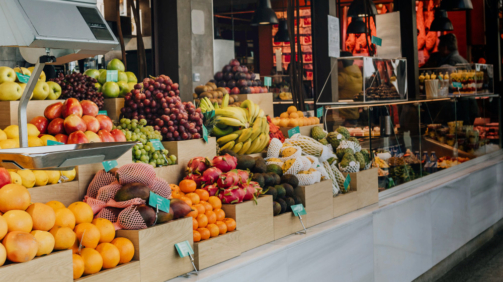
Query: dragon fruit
x=225 y=163
x=198 y=165
x=232 y=195
x=244 y=177
x=228 y=179
x=211 y=175
x=253 y=190
x=197 y=178
x=212 y=189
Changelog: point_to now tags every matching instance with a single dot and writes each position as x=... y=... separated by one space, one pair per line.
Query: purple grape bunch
x=79 y=86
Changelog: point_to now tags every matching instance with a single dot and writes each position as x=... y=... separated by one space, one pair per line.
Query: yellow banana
x=256 y=129
x=251 y=111
x=231 y=113
x=245 y=148
x=230 y=121
x=243 y=112
x=245 y=135
x=264 y=125
x=226 y=139
x=225 y=101
x=264 y=144
x=237 y=147
x=255 y=144
x=261 y=113
x=229 y=146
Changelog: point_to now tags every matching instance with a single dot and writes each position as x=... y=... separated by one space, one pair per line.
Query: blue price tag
x=293 y=131
x=103 y=113
x=157 y=144
x=184 y=249
x=319 y=112
x=53 y=143
x=298 y=210
x=267 y=81
x=457 y=84
x=109 y=165
x=22 y=78
x=157 y=201
x=347 y=182
x=112 y=75
x=205 y=134
x=376 y=40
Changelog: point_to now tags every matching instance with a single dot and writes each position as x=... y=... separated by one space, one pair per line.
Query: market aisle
x=484 y=265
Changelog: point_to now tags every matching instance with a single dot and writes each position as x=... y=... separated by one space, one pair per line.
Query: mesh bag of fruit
x=109 y=213
x=101 y=179
x=347 y=144
x=356 y=146
x=96 y=205
x=323 y=171
x=367 y=166
x=275 y=161
x=125 y=204
x=274 y=148
x=130 y=219
x=351 y=168
x=136 y=172
x=309 y=145
x=292 y=166
x=290 y=152
x=338 y=175
x=315 y=163
x=161 y=188
x=309 y=179
x=108 y=192
x=306 y=163
x=335 y=187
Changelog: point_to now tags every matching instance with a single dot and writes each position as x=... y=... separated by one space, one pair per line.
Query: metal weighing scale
x=56 y=32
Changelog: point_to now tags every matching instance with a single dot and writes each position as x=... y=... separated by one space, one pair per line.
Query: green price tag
x=293 y=131
x=347 y=182
x=391 y=182
x=157 y=201
x=157 y=144
x=319 y=112
x=184 y=249
x=108 y=165
x=298 y=210
x=103 y=113
x=205 y=134
x=53 y=143
x=112 y=75
x=22 y=78
x=376 y=40
x=267 y=81
x=457 y=84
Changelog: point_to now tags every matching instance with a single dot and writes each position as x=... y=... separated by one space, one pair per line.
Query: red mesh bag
x=96 y=205
x=108 y=192
x=102 y=178
x=161 y=188
x=109 y=213
x=130 y=219
x=141 y=173
x=136 y=201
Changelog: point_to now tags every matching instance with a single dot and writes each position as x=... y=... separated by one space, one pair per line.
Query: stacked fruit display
x=126 y=80
x=11 y=88
x=35 y=178
x=80 y=87
x=293 y=118
x=158 y=102
x=9 y=137
x=274 y=131
x=214 y=95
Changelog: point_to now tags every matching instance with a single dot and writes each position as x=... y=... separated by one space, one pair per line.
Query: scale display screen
x=95 y=22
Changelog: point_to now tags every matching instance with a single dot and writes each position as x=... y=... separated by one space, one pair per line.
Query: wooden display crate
x=66 y=193
x=55 y=267
x=304 y=130
x=254 y=220
x=366 y=184
x=218 y=249
x=286 y=224
x=113 y=107
x=170 y=173
x=263 y=100
x=346 y=203
x=317 y=200
x=155 y=249
x=8 y=111
x=188 y=149
x=124 y=272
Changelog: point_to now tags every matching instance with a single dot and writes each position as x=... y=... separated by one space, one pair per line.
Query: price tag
x=108 y=165
x=112 y=75
x=103 y=113
x=22 y=78
x=391 y=182
x=347 y=182
x=157 y=201
x=267 y=81
x=376 y=40
x=157 y=144
x=293 y=131
x=205 y=133
x=298 y=210
x=457 y=84
x=53 y=143
x=319 y=112
x=184 y=249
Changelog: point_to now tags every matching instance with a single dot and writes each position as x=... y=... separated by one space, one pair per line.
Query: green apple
x=98 y=87
x=103 y=77
x=116 y=64
x=41 y=90
x=125 y=89
x=131 y=85
x=7 y=75
x=131 y=77
x=10 y=91
x=42 y=75
x=110 y=90
x=23 y=87
x=92 y=73
x=122 y=76
x=54 y=90
x=102 y=70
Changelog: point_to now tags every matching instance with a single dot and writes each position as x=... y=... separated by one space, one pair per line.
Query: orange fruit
x=193 y=197
x=300 y=113
x=45 y=242
x=195 y=224
x=196 y=235
x=284 y=115
x=176 y=194
x=55 y=205
x=3 y=255
x=212 y=217
x=292 y=109
x=18 y=221
x=186 y=200
x=205 y=233
x=231 y=224
x=87 y=234
x=106 y=228
x=93 y=262
x=174 y=187
x=294 y=115
x=193 y=213
x=215 y=202
x=126 y=249
x=222 y=227
x=203 y=194
x=293 y=123
x=188 y=186
x=207 y=206
x=301 y=122
x=20 y=246
x=214 y=230
x=64 y=237
x=82 y=211
x=65 y=218
x=14 y=197
x=202 y=220
x=43 y=216
x=75 y=247
x=110 y=254
x=220 y=214
x=78 y=266
x=4 y=228
x=200 y=208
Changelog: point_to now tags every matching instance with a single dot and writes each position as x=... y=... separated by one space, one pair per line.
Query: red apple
x=92 y=137
x=77 y=137
x=56 y=126
x=41 y=123
x=92 y=123
x=118 y=135
x=74 y=123
x=235 y=90
x=72 y=106
x=89 y=108
x=53 y=111
x=4 y=177
x=61 y=138
x=106 y=136
x=105 y=122
x=228 y=90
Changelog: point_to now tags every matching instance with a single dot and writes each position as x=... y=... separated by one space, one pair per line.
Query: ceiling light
x=356 y=26
x=282 y=34
x=441 y=22
x=264 y=14
x=357 y=8
x=456 y=5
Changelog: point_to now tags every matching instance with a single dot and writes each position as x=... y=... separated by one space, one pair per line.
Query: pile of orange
x=293 y=118
x=208 y=218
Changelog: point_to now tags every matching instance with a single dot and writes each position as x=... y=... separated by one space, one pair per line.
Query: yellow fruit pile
x=9 y=137
x=293 y=118
x=31 y=178
x=11 y=88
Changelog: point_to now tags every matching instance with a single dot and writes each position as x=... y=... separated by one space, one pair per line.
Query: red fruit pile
x=238 y=79
x=158 y=101
x=79 y=86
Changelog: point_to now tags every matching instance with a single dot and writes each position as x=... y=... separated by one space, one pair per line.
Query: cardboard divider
x=113 y=107
x=123 y=272
x=66 y=193
x=188 y=149
x=318 y=202
x=304 y=130
x=366 y=184
x=263 y=100
x=286 y=224
x=218 y=249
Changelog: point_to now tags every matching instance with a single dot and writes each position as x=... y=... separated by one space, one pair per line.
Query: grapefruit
x=93 y=262
x=126 y=249
x=110 y=255
x=20 y=246
x=82 y=212
x=87 y=234
x=64 y=237
x=43 y=216
x=45 y=242
x=14 y=197
x=65 y=218
x=78 y=266
x=18 y=221
x=106 y=228
x=55 y=205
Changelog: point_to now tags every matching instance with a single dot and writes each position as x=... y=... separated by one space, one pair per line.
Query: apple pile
x=80 y=87
x=74 y=122
x=158 y=102
x=11 y=89
x=238 y=80
x=126 y=80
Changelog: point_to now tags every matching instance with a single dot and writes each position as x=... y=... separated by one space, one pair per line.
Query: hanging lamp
x=356 y=26
x=441 y=22
x=282 y=34
x=264 y=14
x=357 y=8
x=456 y=5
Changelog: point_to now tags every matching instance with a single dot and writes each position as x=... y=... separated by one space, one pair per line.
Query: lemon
x=12 y=131
x=3 y=136
x=15 y=178
x=35 y=142
x=41 y=177
x=54 y=176
x=47 y=137
x=28 y=177
x=33 y=130
x=68 y=175
x=9 y=143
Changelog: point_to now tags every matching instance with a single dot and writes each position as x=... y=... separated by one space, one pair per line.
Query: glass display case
x=280 y=87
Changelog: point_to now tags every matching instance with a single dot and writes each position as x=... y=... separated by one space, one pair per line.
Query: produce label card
x=205 y=134
x=376 y=40
x=157 y=201
x=298 y=210
x=103 y=113
x=184 y=249
x=457 y=84
x=108 y=165
x=112 y=75
x=157 y=144
x=22 y=78
x=347 y=182
x=293 y=131
x=319 y=112
x=53 y=143
x=267 y=81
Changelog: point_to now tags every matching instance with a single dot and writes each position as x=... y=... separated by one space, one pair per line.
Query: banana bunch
x=206 y=105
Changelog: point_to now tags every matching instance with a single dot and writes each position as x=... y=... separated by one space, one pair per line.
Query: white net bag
x=267 y=162
x=306 y=163
x=367 y=166
x=309 y=145
x=356 y=146
x=295 y=155
x=309 y=179
x=274 y=148
x=294 y=168
x=338 y=176
x=315 y=163
x=351 y=168
x=331 y=176
x=347 y=144
x=327 y=153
